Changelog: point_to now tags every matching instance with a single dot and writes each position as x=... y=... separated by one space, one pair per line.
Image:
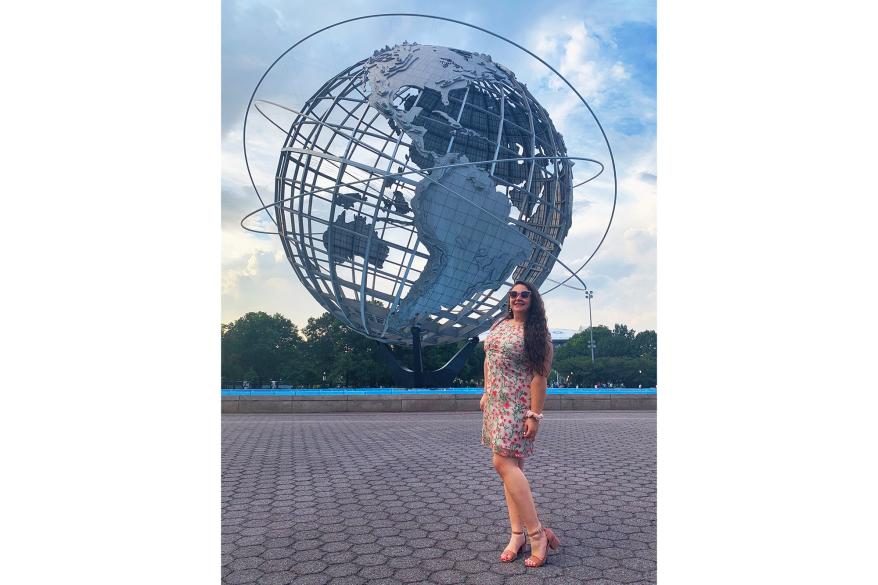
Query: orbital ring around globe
x=316 y=121
x=279 y=203
x=444 y=115
x=423 y=172
x=429 y=16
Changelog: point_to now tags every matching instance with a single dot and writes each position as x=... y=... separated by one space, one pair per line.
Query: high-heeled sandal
x=552 y=542
x=504 y=558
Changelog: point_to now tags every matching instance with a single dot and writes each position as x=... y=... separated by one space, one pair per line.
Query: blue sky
x=607 y=50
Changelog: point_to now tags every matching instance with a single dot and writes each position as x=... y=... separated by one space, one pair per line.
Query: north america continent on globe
x=459 y=214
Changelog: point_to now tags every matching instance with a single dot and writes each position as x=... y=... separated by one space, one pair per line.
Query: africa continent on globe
x=415 y=186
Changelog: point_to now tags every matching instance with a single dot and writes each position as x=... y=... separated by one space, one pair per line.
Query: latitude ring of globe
x=492 y=202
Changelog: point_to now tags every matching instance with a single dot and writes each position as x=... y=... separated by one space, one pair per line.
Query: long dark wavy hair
x=536 y=331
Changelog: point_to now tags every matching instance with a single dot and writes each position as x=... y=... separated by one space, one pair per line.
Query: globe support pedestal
x=417 y=378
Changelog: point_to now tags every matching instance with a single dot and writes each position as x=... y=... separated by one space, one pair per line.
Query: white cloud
x=623 y=272
x=618 y=71
x=255 y=272
x=241 y=258
x=578 y=58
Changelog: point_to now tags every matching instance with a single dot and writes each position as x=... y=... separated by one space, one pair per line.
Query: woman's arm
x=538 y=396
x=484 y=397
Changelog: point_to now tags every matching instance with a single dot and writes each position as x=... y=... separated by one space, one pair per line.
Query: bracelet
x=532 y=414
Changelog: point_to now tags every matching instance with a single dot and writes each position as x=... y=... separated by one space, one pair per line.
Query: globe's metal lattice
x=415 y=186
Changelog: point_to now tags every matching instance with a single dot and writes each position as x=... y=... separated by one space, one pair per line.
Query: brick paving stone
x=309 y=567
x=366 y=549
x=622 y=575
x=304 y=556
x=462 y=554
x=376 y=572
x=412 y=575
x=245 y=576
x=248 y=551
x=640 y=565
x=428 y=553
x=440 y=564
x=525 y=580
x=276 y=565
x=448 y=577
x=350 y=580
x=472 y=567
x=516 y=568
x=339 y=557
x=397 y=551
x=370 y=560
x=278 y=578
x=407 y=562
x=601 y=562
x=277 y=553
x=485 y=579
x=564 y=580
x=616 y=553
x=311 y=580
x=365 y=499
x=342 y=569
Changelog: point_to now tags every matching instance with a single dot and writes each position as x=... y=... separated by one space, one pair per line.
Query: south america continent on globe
x=460 y=217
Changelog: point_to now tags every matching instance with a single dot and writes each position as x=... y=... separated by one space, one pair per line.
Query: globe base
x=416 y=377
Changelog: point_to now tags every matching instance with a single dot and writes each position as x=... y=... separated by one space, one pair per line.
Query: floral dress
x=508 y=390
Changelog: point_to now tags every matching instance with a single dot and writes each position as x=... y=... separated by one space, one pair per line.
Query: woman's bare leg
x=516 y=541
x=520 y=500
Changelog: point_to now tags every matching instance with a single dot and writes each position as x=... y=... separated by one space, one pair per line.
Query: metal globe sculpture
x=415 y=186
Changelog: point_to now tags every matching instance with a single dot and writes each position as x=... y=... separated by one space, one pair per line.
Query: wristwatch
x=532 y=414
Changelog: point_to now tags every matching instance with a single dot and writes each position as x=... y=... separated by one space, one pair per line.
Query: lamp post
x=589 y=294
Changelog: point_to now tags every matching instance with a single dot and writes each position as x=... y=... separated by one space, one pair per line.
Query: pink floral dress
x=508 y=390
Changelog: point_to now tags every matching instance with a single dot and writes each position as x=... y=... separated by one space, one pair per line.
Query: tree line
x=260 y=348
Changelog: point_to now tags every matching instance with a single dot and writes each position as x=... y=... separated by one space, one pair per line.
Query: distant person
x=518 y=358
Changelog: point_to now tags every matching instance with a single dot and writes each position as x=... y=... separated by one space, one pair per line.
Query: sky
x=607 y=51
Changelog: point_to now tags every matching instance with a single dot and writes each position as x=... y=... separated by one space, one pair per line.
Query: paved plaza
x=413 y=498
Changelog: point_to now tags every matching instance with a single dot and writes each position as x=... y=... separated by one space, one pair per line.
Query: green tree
x=646 y=343
x=261 y=346
x=258 y=347
x=473 y=372
x=347 y=358
x=621 y=356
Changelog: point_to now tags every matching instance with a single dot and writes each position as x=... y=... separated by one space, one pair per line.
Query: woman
x=518 y=356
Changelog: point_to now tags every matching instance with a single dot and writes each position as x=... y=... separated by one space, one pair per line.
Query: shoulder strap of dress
x=494 y=326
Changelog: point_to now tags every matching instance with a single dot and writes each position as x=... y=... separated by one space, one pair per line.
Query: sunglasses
x=514 y=294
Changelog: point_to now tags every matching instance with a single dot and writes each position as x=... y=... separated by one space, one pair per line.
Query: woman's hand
x=483 y=401
x=531 y=426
